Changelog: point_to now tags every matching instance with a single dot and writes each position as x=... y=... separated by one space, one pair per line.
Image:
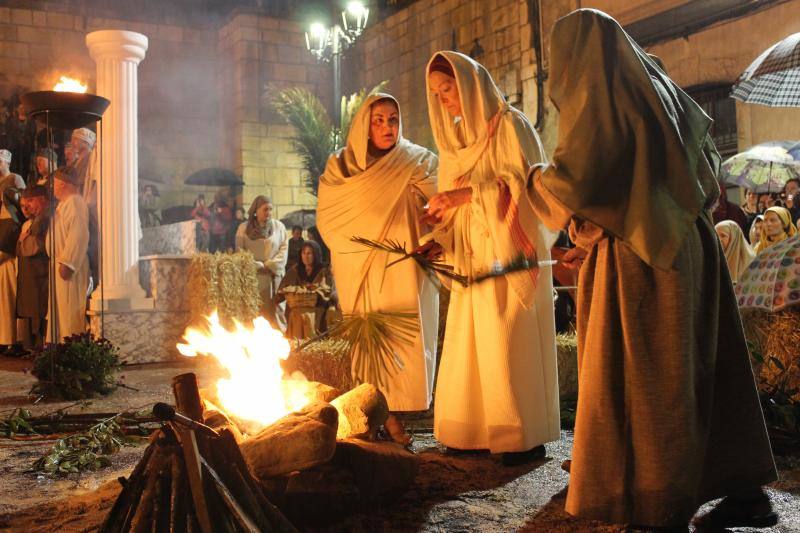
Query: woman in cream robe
x=498 y=385
x=738 y=253
x=268 y=241
x=668 y=415
x=379 y=196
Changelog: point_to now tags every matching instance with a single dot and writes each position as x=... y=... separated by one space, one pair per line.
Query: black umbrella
x=304 y=218
x=214 y=177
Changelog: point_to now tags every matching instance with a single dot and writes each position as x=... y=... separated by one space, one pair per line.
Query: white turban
x=86 y=135
x=5 y=155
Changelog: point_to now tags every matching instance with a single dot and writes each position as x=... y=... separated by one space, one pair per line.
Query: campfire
x=304 y=444
x=69 y=85
x=255 y=394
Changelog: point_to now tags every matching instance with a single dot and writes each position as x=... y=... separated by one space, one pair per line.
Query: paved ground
x=474 y=493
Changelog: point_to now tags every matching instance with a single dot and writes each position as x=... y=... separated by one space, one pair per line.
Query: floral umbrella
x=764 y=167
x=772 y=281
x=773 y=79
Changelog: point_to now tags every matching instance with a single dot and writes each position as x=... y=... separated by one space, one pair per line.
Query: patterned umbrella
x=764 y=167
x=772 y=281
x=773 y=79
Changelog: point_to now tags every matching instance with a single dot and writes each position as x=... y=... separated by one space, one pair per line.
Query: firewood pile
x=193 y=479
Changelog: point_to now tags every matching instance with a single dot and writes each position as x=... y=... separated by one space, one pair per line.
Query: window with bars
x=716 y=102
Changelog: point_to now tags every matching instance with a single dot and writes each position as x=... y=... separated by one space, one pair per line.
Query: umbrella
x=303 y=217
x=772 y=281
x=773 y=79
x=764 y=167
x=214 y=177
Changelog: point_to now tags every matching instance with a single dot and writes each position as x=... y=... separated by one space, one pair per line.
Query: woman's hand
x=441 y=202
x=573 y=258
x=431 y=249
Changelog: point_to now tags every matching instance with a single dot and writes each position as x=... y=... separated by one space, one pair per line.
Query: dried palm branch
x=372 y=337
x=430 y=265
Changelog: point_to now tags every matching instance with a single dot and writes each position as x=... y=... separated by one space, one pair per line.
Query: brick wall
x=259 y=54
x=398 y=48
x=178 y=131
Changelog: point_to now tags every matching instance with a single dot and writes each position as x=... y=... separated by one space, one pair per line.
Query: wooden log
x=161 y=509
x=177 y=497
x=187 y=396
x=242 y=517
x=191 y=458
x=116 y=517
x=228 y=447
x=142 y=520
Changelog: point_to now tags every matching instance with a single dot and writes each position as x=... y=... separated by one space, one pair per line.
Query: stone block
x=22 y=16
x=30 y=34
x=14 y=50
x=288 y=160
x=303 y=197
x=39 y=18
x=5 y=15
x=282 y=195
x=245 y=20
x=63 y=21
x=273 y=36
x=125 y=329
x=253 y=176
x=8 y=32
x=267 y=23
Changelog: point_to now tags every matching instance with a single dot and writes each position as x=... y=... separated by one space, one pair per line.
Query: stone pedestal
x=117 y=55
x=148 y=336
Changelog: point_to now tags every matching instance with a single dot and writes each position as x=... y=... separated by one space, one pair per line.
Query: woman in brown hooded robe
x=668 y=415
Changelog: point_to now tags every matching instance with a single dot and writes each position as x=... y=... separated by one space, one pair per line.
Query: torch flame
x=69 y=85
x=255 y=391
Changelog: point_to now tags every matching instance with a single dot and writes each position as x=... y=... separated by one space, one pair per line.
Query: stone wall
x=178 y=130
x=258 y=55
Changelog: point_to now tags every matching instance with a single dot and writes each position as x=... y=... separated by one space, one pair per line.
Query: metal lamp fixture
x=328 y=44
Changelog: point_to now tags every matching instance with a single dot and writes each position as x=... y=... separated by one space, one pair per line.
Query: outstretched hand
x=432 y=250
x=573 y=258
x=441 y=202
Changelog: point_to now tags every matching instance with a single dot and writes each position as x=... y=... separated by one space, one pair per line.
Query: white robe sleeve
x=75 y=220
x=277 y=263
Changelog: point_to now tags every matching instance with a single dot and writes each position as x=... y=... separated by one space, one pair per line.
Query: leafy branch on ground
x=88 y=450
x=79 y=367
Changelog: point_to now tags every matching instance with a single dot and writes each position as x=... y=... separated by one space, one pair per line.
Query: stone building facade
x=202 y=94
x=711 y=53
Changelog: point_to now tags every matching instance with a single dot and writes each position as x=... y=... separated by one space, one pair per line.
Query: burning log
x=222 y=496
x=361 y=412
x=299 y=440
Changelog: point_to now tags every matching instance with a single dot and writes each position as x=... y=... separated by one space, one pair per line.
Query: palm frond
x=430 y=265
x=314 y=136
x=371 y=337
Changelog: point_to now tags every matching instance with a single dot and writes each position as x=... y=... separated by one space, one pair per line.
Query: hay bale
x=326 y=361
x=774 y=339
x=226 y=283
x=567 y=353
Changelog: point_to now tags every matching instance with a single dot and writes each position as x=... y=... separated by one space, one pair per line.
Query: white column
x=117 y=54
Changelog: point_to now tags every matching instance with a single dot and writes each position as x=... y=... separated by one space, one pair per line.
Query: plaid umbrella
x=773 y=79
x=772 y=281
x=764 y=167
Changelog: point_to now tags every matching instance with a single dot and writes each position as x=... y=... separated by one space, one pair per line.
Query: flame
x=69 y=85
x=255 y=392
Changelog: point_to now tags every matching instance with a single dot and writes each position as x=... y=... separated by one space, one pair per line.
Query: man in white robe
x=69 y=235
x=376 y=188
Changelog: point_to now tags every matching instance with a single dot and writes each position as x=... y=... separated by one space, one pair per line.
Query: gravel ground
x=465 y=493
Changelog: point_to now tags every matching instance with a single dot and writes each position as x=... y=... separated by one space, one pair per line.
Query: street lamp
x=328 y=44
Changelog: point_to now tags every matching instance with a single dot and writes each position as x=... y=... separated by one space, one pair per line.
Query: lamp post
x=328 y=45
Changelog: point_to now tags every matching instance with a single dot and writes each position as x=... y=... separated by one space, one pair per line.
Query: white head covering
x=755 y=233
x=354 y=155
x=86 y=135
x=5 y=155
x=738 y=253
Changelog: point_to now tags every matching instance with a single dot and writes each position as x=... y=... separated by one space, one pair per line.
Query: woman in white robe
x=375 y=187
x=738 y=253
x=265 y=238
x=70 y=234
x=498 y=386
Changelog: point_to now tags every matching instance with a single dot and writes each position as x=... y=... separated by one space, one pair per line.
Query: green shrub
x=77 y=368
